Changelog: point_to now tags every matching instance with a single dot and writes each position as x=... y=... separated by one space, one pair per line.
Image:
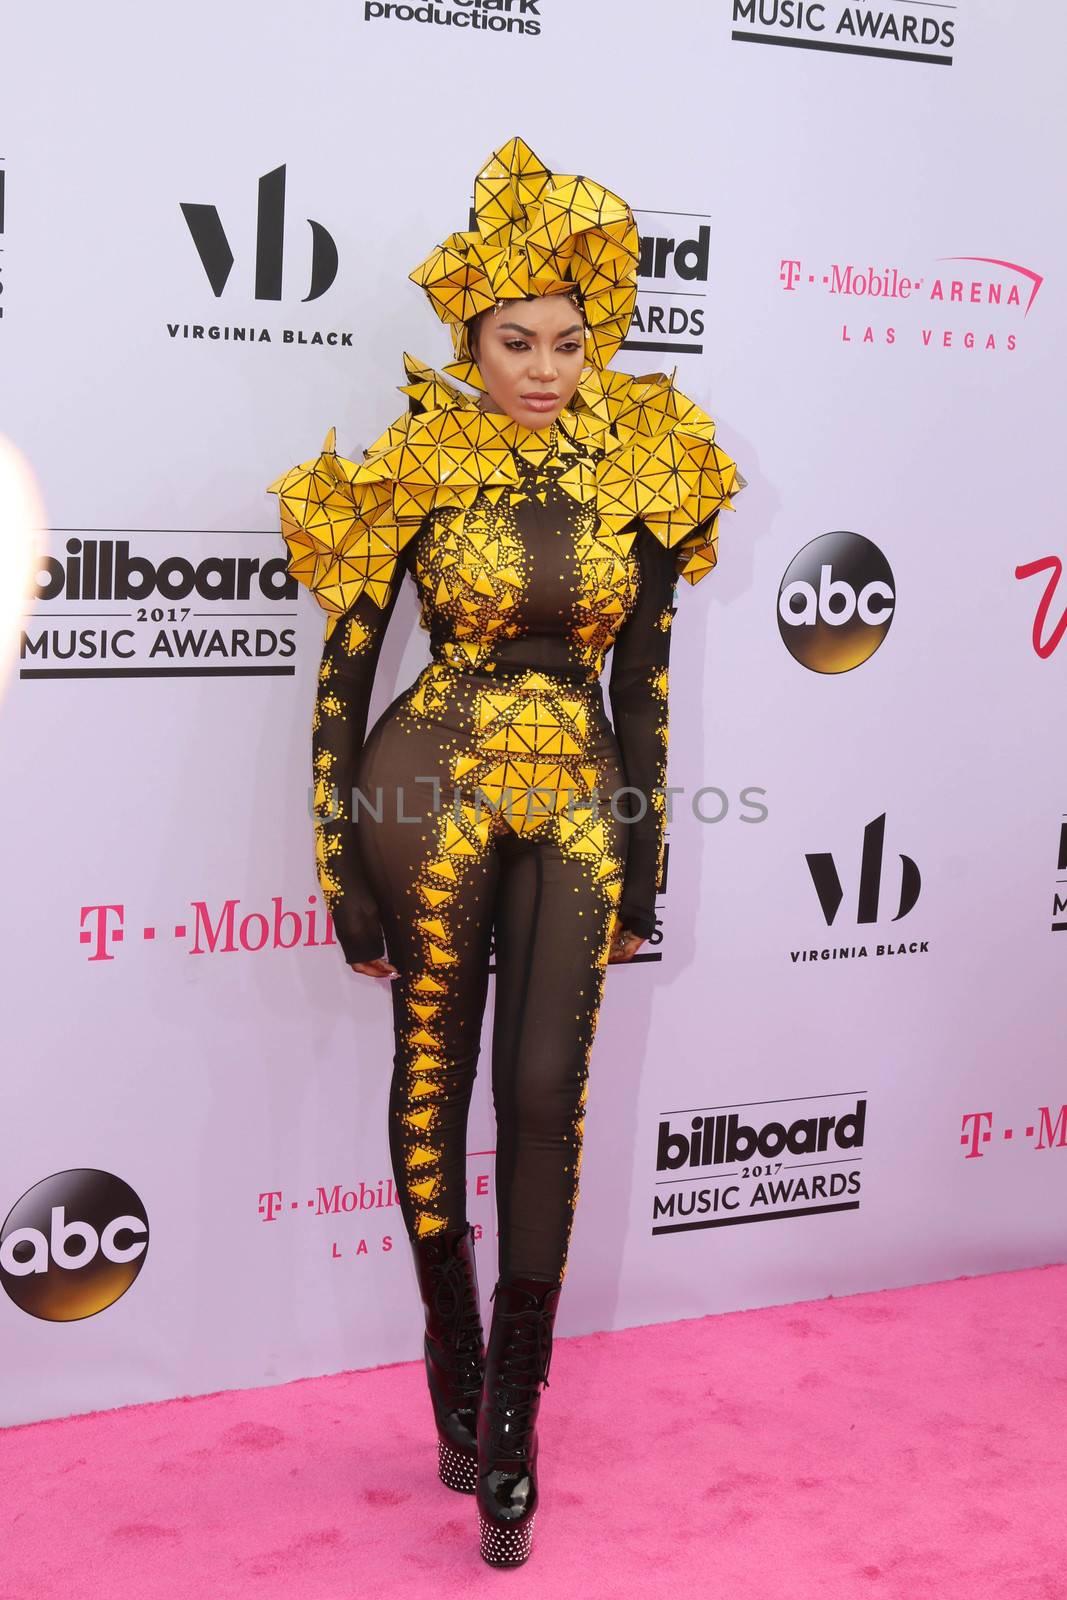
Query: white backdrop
x=241 y=1093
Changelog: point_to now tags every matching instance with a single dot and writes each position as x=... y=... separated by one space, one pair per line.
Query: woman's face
x=530 y=354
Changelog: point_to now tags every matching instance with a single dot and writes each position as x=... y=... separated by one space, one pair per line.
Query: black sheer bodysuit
x=484 y=806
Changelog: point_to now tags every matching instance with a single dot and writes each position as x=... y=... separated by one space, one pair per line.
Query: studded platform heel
x=517 y=1361
x=454 y=1350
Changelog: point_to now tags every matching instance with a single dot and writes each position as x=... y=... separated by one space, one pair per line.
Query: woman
x=544 y=520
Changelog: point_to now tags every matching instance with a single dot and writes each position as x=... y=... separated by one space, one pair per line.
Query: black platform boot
x=454 y=1349
x=517 y=1362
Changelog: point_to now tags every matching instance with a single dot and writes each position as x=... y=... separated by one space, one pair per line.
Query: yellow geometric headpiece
x=537 y=233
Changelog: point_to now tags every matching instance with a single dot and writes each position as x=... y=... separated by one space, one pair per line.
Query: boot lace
x=456 y=1304
x=523 y=1366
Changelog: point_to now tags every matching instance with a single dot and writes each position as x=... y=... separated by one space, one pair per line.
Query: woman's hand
x=624 y=944
x=379 y=968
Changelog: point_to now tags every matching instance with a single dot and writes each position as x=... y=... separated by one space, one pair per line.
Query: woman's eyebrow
x=530 y=334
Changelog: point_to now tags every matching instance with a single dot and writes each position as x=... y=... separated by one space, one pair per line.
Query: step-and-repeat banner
x=838 y=1065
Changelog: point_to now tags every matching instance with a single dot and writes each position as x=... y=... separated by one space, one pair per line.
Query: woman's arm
x=637 y=690
x=346 y=677
x=352 y=557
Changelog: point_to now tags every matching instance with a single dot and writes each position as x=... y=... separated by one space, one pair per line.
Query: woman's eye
x=520 y=344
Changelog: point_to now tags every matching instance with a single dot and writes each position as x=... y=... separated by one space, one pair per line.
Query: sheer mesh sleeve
x=637 y=689
x=346 y=677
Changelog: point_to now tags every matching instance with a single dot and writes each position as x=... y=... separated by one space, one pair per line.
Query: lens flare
x=21 y=544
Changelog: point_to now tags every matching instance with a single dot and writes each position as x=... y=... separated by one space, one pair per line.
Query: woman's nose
x=543 y=365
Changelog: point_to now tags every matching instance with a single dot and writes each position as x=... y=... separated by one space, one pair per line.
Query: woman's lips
x=539 y=402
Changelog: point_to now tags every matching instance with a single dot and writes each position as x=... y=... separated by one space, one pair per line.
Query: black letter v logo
x=212 y=246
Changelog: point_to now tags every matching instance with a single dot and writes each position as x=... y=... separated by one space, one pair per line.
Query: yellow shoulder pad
x=661 y=463
x=342 y=538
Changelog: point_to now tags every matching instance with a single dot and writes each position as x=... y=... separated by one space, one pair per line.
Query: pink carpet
x=895 y=1445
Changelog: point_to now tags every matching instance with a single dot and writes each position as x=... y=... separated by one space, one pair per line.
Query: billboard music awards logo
x=959 y=303
x=918 y=32
x=160 y=605
x=869 y=877
x=672 y=283
x=73 y=1245
x=719 y=1166
x=836 y=602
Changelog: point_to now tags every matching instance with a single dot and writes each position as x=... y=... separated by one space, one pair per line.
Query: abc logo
x=73 y=1245
x=836 y=602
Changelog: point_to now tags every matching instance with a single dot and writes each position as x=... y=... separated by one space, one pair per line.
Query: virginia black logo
x=73 y=1245
x=216 y=256
x=836 y=602
x=827 y=879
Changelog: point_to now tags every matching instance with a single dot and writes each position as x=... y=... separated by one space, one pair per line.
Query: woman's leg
x=435 y=881
x=555 y=906
x=552 y=929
